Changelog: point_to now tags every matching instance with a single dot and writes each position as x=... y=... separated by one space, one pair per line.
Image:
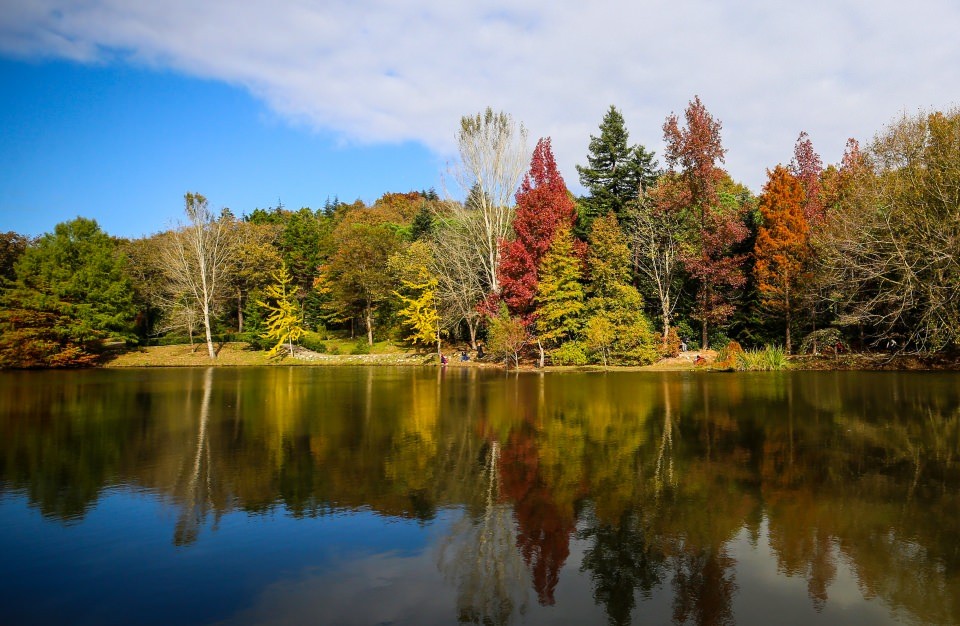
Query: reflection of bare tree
x=479 y=556
x=664 y=468
x=193 y=481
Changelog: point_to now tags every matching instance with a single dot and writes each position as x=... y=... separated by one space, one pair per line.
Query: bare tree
x=493 y=157
x=656 y=233
x=456 y=264
x=891 y=252
x=197 y=259
x=480 y=557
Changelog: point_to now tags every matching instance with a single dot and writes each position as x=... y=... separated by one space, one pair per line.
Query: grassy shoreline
x=241 y=355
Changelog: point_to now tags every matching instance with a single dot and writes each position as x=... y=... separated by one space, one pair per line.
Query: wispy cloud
x=384 y=71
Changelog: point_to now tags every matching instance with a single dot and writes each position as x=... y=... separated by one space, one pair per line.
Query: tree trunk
x=666 y=320
x=788 y=321
x=239 y=311
x=369 y=320
x=472 y=328
x=542 y=354
x=704 y=301
x=206 y=327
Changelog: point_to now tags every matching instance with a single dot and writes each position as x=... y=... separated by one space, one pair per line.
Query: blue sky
x=122 y=145
x=113 y=109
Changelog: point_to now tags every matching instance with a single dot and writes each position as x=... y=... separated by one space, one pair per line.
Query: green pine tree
x=71 y=293
x=560 y=293
x=615 y=173
x=422 y=226
x=616 y=327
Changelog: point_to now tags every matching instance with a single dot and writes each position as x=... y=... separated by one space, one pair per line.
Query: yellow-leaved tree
x=284 y=321
x=418 y=294
x=419 y=311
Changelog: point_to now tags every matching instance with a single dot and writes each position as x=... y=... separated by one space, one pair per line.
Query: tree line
x=862 y=253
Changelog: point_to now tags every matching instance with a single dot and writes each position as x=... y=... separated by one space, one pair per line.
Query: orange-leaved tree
x=781 y=246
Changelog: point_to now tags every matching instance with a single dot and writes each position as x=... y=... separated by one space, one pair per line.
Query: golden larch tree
x=284 y=320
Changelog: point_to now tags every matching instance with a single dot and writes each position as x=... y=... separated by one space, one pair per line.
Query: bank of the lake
x=239 y=354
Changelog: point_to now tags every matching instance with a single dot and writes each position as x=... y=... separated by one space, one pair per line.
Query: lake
x=293 y=495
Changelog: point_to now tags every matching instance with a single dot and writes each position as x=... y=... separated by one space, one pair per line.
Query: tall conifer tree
x=560 y=294
x=543 y=207
x=781 y=246
x=616 y=172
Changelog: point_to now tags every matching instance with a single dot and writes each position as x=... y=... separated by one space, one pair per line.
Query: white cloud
x=382 y=71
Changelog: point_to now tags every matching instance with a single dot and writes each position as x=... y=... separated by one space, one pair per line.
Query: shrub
x=360 y=346
x=255 y=340
x=570 y=353
x=768 y=359
x=313 y=341
x=727 y=355
x=171 y=340
x=686 y=332
x=718 y=338
x=637 y=344
x=670 y=347
x=821 y=339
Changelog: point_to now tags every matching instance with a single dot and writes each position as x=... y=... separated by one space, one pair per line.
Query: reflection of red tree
x=543 y=536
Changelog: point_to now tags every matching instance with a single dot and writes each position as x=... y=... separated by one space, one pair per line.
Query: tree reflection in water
x=623 y=558
x=479 y=558
x=192 y=488
x=832 y=478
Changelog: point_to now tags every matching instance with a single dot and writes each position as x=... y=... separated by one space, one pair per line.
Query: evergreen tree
x=616 y=172
x=559 y=294
x=616 y=327
x=71 y=292
x=422 y=226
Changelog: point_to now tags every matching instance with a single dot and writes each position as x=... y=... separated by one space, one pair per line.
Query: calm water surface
x=418 y=496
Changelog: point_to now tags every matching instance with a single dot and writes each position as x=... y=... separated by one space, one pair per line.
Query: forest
x=863 y=254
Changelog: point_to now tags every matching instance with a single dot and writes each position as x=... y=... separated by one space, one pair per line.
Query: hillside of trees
x=864 y=253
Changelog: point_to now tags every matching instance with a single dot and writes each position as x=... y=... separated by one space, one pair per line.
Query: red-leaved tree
x=693 y=152
x=543 y=205
x=807 y=167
